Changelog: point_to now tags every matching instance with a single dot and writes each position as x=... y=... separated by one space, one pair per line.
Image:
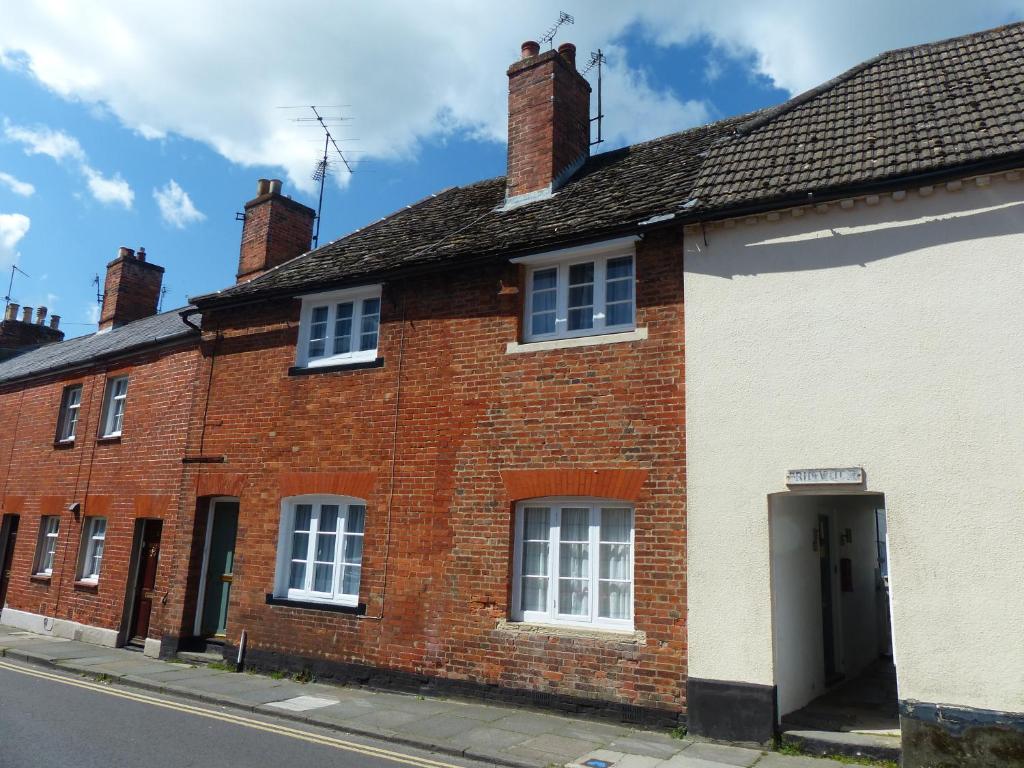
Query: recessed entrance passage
x=218 y=568
x=830 y=613
x=8 y=538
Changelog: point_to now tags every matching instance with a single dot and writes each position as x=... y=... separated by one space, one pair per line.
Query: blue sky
x=102 y=113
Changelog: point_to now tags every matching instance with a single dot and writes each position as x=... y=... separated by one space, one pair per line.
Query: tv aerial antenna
x=597 y=58
x=327 y=163
x=99 y=292
x=10 y=286
x=549 y=36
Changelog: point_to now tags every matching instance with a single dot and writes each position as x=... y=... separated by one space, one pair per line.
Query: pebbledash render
x=484 y=447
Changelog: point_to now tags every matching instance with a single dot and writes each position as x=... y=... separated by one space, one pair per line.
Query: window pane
x=303 y=514
x=573 y=597
x=534 y=594
x=99 y=528
x=581 y=273
x=297 y=576
x=536 y=526
x=545 y=279
x=614 y=600
x=620 y=267
x=543 y=299
x=328 y=517
x=574 y=560
x=356 y=518
x=369 y=324
x=317 y=331
x=619 y=314
x=535 y=558
x=542 y=323
x=575 y=524
x=323 y=577
x=350 y=580
x=615 y=562
x=615 y=524
x=120 y=387
x=74 y=396
x=353 y=551
x=325 y=547
x=343 y=328
x=300 y=546
x=581 y=296
x=619 y=290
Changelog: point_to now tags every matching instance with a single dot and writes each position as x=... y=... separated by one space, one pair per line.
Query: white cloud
x=42 y=140
x=16 y=185
x=426 y=70
x=176 y=207
x=13 y=227
x=108 y=190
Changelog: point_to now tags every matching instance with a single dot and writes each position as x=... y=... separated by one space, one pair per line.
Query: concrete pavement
x=496 y=735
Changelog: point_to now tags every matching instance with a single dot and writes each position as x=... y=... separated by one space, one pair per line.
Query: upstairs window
x=113 y=406
x=588 y=292
x=67 y=419
x=49 y=529
x=94 y=536
x=340 y=327
x=574 y=563
x=320 y=549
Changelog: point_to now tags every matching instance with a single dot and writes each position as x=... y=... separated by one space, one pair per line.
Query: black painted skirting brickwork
x=943 y=736
x=729 y=711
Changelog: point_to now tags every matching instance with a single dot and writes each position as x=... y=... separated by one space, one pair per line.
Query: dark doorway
x=220 y=563
x=827 y=616
x=148 y=557
x=8 y=537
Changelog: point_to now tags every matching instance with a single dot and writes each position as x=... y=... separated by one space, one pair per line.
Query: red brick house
x=92 y=433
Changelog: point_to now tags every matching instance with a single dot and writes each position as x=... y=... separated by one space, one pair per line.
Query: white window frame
x=94 y=536
x=46 y=548
x=70 y=409
x=331 y=300
x=551 y=615
x=285 y=554
x=597 y=253
x=111 y=403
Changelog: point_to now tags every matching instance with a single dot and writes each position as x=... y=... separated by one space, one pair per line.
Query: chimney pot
x=55 y=322
x=40 y=315
x=568 y=51
x=26 y=314
x=140 y=254
x=12 y=311
x=262 y=187
x=530 y=48
x=275 y=186
x=124 y=252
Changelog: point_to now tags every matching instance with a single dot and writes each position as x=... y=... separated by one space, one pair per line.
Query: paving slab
x=343 y=712
x=422 y=706
x=560 y=745
x=529 y=723
x=639 y=761
x=649 y=745
x=384 y=720
x=775 y=760
x=441 y=727
x=718 y=753
x=683 y=760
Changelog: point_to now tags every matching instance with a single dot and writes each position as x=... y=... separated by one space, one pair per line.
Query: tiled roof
x=941 y=106
x=906 y=112
x=613 y=189
x=130 y=337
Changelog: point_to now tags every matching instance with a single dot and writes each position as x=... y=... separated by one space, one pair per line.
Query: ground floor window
x=320 y=549
x=94 y=535
x=574 y=562
x=49 y=529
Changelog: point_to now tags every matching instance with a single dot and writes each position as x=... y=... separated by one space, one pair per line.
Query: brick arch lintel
x=623 y=484
x=358 y=485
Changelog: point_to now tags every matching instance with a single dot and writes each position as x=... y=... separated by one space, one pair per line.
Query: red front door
x=9 y=531
x=149 y=556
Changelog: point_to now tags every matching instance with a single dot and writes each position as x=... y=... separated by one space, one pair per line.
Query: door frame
x=127 y=615
x=7 y=521
x=201 y=597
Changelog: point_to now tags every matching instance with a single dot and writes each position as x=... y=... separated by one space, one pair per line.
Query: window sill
x=309 y=370
x=515 y=347
x=313 y=605
x=87 y=585
x=607 y=634
x=63 y=445
x=109 y=439
x=40 y=578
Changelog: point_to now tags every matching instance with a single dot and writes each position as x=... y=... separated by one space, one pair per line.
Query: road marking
x=281 y=730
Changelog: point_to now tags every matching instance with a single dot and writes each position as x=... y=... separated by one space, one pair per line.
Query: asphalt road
x=48 y=718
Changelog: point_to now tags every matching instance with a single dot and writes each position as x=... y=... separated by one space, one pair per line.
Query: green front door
x=219 y=568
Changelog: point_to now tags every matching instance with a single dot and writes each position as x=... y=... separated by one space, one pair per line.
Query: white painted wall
x=889 y=337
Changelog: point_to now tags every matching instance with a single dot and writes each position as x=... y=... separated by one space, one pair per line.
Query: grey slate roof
x=940 y=106
x=134 y=336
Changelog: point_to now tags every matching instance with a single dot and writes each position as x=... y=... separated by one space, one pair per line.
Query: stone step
x=873 y=746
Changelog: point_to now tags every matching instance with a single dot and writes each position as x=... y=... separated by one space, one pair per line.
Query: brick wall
x=440 y=441
x=135 y=476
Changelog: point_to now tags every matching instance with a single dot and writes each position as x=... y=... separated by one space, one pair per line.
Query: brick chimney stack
x=276 y=230
x=548 y=121
x=17 y=335
x=131 y=290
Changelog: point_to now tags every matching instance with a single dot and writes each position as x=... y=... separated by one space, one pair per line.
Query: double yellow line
x=247 y=722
